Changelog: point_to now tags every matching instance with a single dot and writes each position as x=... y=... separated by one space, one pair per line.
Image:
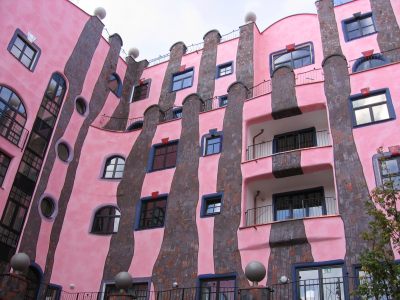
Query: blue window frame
x=217 y=287
x=163 y=156
x=301 y=56
x=182 y=80
x=152 y=212
x=386 y=168
x=211 y=143
x=211 y=205
x=223 y=100
x=340 y=2
x=322 y=281
x=365 y=63
x=374 y=108
x=358 y=26
x=224 y=69
x=26 y=52
x=115 y=84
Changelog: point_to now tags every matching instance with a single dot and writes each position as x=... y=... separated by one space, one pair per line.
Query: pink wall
x=226 y=52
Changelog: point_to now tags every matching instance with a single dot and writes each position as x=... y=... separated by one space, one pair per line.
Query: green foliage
x=381 y=273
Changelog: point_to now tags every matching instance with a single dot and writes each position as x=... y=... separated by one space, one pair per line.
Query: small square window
x=23 y=50
x=213 y=145
x=141 y=91
x=374 y=108
x=211 y=205
x=224 y=69
x=223 y=101
x=152 y=213
x=164 y=156
x=359 y=26
x=182 y=80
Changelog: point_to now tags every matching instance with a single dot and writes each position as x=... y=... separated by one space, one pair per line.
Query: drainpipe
x=254 y=141
x=255 y=207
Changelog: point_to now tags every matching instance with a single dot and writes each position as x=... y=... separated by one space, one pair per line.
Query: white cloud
x=154 y=25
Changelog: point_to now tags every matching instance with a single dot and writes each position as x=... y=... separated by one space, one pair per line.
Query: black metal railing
x=211 y=104
x=13 y=131
x=170 y=114
x=265 y=149
x=266 y=214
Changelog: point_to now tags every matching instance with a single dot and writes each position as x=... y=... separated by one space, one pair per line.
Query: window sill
x=151 y=228
x=158 y=170
x=210 y=215
x=358 y=38
x=223 y=75
x=207 y=155
x=181 y=89
x=373 y=123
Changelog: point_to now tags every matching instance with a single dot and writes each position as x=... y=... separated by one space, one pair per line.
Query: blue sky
x=153 y=26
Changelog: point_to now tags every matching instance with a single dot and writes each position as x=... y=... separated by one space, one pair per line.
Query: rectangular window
x=300 y=57
x=211 y=205
x=224 y=69
x=217 y=288
x=375 y=107
x=53 y=292
x=213 y=145
x=138 y=291
x=299 y=204
x=4 y=164
x=152 y=213
x=390 y=170
x=223 y=100
x=295 y=140
x=23 y=50
x=165 y=156
x=182 y=80
x=359 y=26
x=324 y=283
x=141 y=91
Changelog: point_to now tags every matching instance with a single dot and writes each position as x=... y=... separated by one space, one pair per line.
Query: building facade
x=259 y=145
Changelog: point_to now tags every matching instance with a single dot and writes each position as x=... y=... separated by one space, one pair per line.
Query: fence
x=266 y=214
x=264 y=149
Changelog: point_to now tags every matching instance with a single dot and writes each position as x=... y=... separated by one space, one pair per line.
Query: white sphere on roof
x=250 y=17
x=134 y=52
x=100 y=12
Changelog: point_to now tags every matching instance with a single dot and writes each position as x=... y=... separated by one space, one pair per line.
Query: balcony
x=308 y=195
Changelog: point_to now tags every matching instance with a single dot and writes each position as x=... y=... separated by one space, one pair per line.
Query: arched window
x=106 y=220
x=365 y=63
x=115 y=84
x=12 y=115
x=114 y=167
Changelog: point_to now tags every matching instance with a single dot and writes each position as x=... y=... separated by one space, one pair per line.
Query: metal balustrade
x=266 y=215
x=265 y=149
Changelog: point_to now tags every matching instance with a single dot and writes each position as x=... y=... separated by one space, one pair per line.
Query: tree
x=381 y=278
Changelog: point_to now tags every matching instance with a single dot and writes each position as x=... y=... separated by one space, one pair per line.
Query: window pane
x=368 y=30
x=390 y=166
x=283 y=58
x=366 y=21
x=29 y=52
x=177 y=85
x=187 y=82
x=300 y=53
x=363 y=116
x=352 y=26
x=15 y=51
x=354 y=34
x=369 y=100
x=380 y=112
x=19 y=43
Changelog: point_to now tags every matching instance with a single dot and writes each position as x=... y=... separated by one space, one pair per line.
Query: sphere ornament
x=123 y=280
x=100 y=12
x=20 y=262
x=134 y=52
x=250 y=17
x=255 y=271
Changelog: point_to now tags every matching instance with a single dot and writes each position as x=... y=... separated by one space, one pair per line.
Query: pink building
x=257 y=146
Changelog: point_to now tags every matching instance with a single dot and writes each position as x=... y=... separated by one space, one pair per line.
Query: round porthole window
x=63 y=152
x=80 y=106
x=47 y=207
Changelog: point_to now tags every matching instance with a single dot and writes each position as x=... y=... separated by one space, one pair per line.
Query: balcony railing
x=266 y=214
x=117 y=124
x=13 y=131
x=265 y=149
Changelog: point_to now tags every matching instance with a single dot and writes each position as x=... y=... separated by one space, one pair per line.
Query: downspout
x=254 y=142
x=255 y=208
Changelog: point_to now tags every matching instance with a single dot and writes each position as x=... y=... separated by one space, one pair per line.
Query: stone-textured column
x=96 y=104
x=208 y=63
x=352 y=190
x=284 y=101
x=75 y=70
x=244 y=56
x=388 y=29
x=177 y=260
x=286 y=164
x=229 y=182
x=134 y=71
x=122 y=243
x=167 y=98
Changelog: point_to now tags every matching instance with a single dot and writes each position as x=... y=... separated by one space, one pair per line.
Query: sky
x=153 y=26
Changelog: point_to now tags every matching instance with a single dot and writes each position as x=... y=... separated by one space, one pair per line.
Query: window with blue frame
x=152 y=213
x=115 y=84
x=182 y=80
x=340 y=2
x=372 y=108
x=223 y=100
x=320 y=282
x=213 y=145
x=23 y=50
x=300 y=57
x=224 y=69
x=358 y=26
x=211 y=205
x=365 y=63
x=387 y=169
x=164 y=156
x=221 y=288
